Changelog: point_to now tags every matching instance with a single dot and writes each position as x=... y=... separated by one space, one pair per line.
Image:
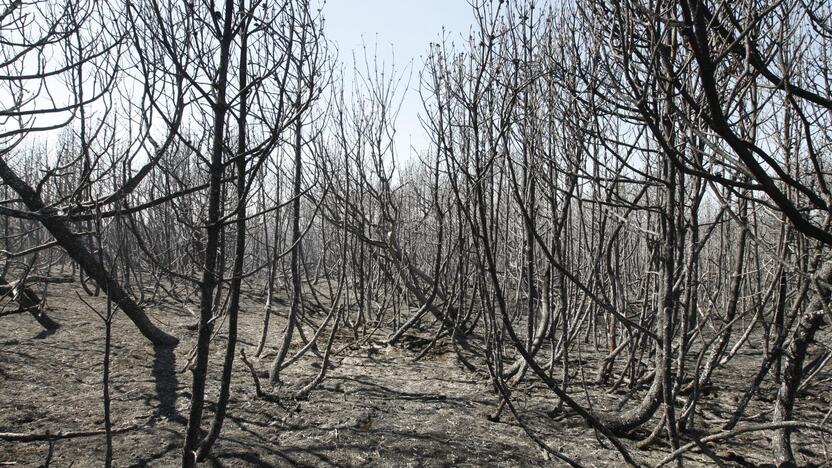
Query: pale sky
x=403 y=28
x=400 y=27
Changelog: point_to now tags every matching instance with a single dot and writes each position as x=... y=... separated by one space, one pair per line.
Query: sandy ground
x=377 y=407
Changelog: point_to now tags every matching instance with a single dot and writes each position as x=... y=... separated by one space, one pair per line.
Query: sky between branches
x=400 y=31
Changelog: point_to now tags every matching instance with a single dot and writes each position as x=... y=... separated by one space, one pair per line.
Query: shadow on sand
x=164 y=374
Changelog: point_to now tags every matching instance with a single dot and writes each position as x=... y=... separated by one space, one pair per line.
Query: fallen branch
x=48 y=279
x=258 y=390
x=742 y=430
x=36 y=437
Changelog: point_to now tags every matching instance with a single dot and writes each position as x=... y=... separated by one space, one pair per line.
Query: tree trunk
x=810 y=323
x=75 y=248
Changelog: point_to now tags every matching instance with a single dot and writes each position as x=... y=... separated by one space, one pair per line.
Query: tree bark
x=75 y=248
x=810 y=323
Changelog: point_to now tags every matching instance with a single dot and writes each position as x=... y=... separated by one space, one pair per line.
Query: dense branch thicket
x=647 y=180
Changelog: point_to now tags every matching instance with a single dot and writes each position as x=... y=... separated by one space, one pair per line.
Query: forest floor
x=377 y=407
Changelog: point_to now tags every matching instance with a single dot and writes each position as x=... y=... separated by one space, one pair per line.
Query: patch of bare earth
x=377 y=406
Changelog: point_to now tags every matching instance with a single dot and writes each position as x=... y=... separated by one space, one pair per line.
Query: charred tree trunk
x=210 y=275
x=78 y=251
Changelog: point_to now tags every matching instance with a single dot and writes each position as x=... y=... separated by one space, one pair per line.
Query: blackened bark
x=239 y=256
x=294 y=308
x=810 y=323
x=214 y=231
x=29 y=301
x=75 y=248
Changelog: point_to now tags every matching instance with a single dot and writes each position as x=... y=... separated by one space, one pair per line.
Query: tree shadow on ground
x=164 y=375
x=152 y=457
